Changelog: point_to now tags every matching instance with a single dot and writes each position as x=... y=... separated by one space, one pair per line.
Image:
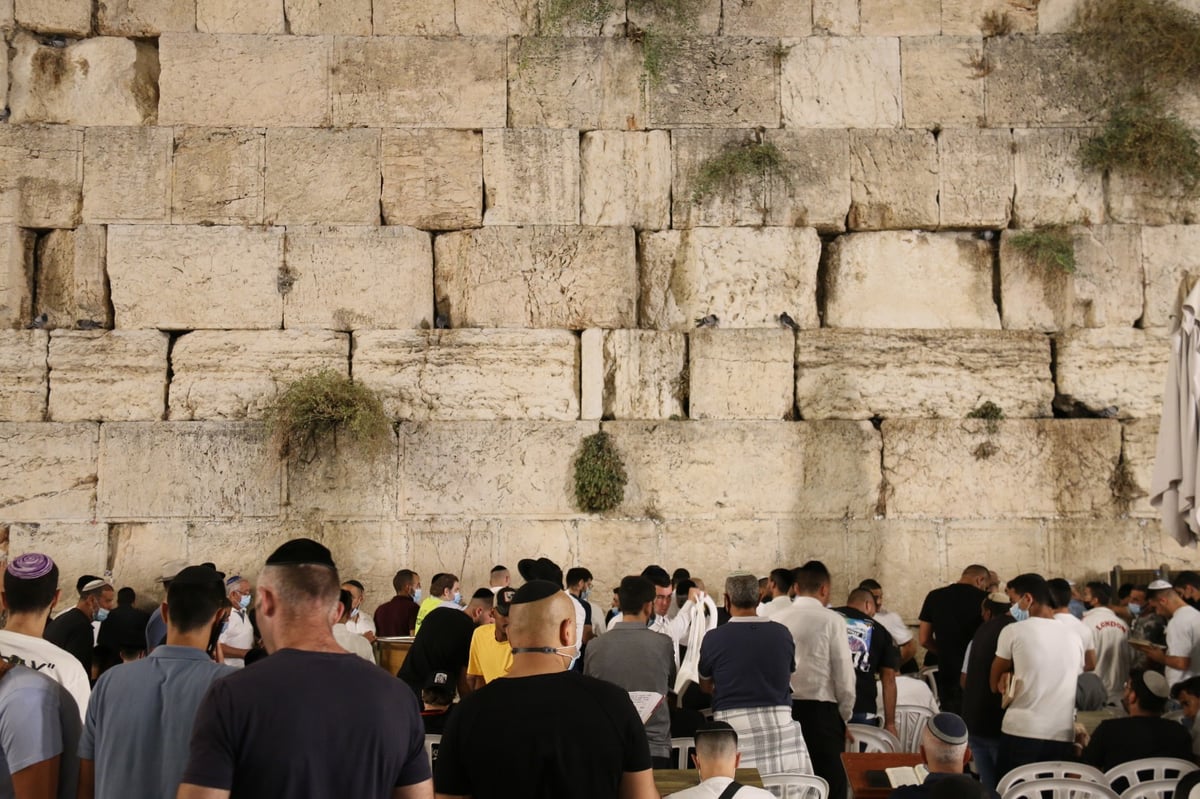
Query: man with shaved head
x=564 y=734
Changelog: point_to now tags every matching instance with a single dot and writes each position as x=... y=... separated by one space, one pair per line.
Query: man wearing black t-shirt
x=873 y=652
x=949 y=618
x=1143 y=733
x=981 y=708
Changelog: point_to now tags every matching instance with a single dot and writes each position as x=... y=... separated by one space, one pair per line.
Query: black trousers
x=825 y=736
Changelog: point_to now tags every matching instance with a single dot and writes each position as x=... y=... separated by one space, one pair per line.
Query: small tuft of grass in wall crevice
x=734 y=165
x=309 y=415
x=1142 y=137
x=1049 y=247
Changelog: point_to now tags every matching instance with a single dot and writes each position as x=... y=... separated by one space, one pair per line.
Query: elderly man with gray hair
x=945 y=752
x=747 y=666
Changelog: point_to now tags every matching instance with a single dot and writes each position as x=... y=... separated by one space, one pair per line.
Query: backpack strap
x=730 y=790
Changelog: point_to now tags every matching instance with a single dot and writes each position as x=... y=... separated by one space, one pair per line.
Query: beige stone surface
x=530 y=177
x=71 y=17
x=356 y=546
x=1052 y=186
x=41 y=175
x=1133 y=198
x=572 y=82
x=722 y=81
x=413 y=18
x=16 y=276
x=702 y=16
x=860 y=374
x=496 y=17
x=185 y=277
x=241 y=546
x=345 y=278
x=1025 y=469
x=1042 y=81
x=233 y=374
x=127 y=174
x=1132 y=543
x=433 y=179
x=644 y=374
x=625 y=179
x=815 y=188
x=338 y=17
x=23 y=364
x=740 y=469
x=230 y=81
x=968 y=17
x=910 y=279
x=71 y=284
x=745 y=276
x=889 y=18
x=591 y=18
x=462 y=547
x=483 y=469
x=1139 y=448
x=78 y=548
x=139 y=550
x=241 y=16
x=835 y=17
x=1170 y=264
x=6 y=15
x=419 y=82
x=471 y=374
x=556 y=277
x=943 y=81
x=893 y=180
x=218 y=176
x=743 y=202
x=975 y=173
x=349 y=482
x=833 y=82
x=782 y=18
x=591 y=373
x=327 y=177
x=1103 y=368
x=1056 y=16
x=145 y=18
x=48 y=471
x=888 y=550
x=741 y=374
x=107 y=376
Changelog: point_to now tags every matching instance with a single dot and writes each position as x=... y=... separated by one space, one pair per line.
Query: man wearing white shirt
x=353 y=643
x=238 y=636
x=499 y=578
x=717 y=759
x=1182 y=656
x=779 y=583
x=1060 y=595
x=1111 y=636
x=360 y=622
x=901 y=633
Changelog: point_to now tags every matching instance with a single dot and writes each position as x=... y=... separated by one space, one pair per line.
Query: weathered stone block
x=893 y=179
x=557 y=277
x=591 y=18
x=777 y=18
x=48 y=471
x=108 y=376
x=6 y=15
x=230 y=81
x=1139 y=449
x=741 y=374
x=472 y=374
x=41 y=175
x=1091 y=548
x=413 y=18
x=127 y=174
x=625 y=179
x=145 y=18
x=218 y=176
x=489 y=468
x=71 y=17
x=496 y=17
x=744 y=276
x=1105 y=290
x=716 y=548
x=703 y=16
x=1052 y=186
x=860 y=374
x=138 y=552
x=78 y=548
x=722 y=82
x=1107 y=368
x=889 y=550
x=1056 y=16
x=531 y=177
x=835 y=17
x=339 y=17
x=834 y=82
x=742 y=202
x=241 y=546
x=976 y=183
x=585 y=83
x=591 y=374
x=1018 y=469
x=910 y=279
x=943 y=81
x=240 y=16
x=23 y=364
x=1171 y=264
x=815 y=188
x=180 y=470
x=180 y=278
x=1135 y=198
x=71 y=283
x=356 y=546
x=358 y=277
x=971 y=17
x=419 y=82
x=463 y=547
x=221 y=374
x=322 y=176
x=888 y=18
x=820 y=470
x=349 y=482
x=644 y=374
x=433 y=179
x=16 y=276
x=1041 y=81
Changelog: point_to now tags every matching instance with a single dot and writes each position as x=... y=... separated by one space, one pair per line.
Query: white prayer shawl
x=1173 y=486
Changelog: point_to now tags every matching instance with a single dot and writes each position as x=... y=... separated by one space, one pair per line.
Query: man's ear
x=566 y=632
x=966 y=757
x=267 y=603
x=165 y=614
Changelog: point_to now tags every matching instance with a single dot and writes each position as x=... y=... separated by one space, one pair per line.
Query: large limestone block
x=108 y=376
x=181 y=278
x=70 y=17
x=1052 y=186
x=644 y=374
x=699 y=16
x=910 y=279
x=433 y=179
x=746 y=277
x=41 y=175
x=339 y=17
x=1090 y=549
x=139 y=551
x=1056 y=16
x=1139 y=450
x=780 y=18
x=240 y=546
x=182 y=470
x=1105 y=290
x=975 y=173
x=860 y=374
x=1134 y=198
x=1017 y=469
x=559 y=82
x=349 y=482
x=419 y=82
x=889 y=18
x=741 y=374
x=471 y=374
x=224 y=80
x=1171 y=264
x=971 y=17
x=145 y=18
x=744 y=201
x=218 y=176
x=893 y=179
x=834 y=82
x=943 y=81
x=600 y=18
x=1008 y=547
x=72 y=286
x=358 y=277
x=489 y=468
x=716 y=548
x=591 y=374
x=724 y=82
x=836 y=17
x=322 y=176
x=356 y=545
x=821 y=470
x=23 y=364
x=219 y=374
x=77 y=548
x=241 y=16
x=127 y=174
x=556 y=277
x=496 y=17
x=887 y=550
x=413 y=18
x=16 y=276
x=1111 y=367
x=814 y=190
x=625 y=179
x=531 y=177
x=6 y=15
x=1042 y=81
x=48 y=471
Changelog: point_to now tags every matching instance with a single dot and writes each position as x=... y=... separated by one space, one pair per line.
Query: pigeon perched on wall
x=708 y=321
x=38 y=322
x=786 y=320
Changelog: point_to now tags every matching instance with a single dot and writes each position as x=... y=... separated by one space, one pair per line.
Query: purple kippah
x=30 y=566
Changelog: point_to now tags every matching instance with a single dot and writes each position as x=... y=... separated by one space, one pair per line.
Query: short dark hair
x=403 y=580
x=301 y=583
x=27 y=596
x=1032 y=584
x=1060 y=592
x=82 y=581
x=1189 y=686
x=191 y=606
x=716 y=739
x=356 y=584
x=126 y=596
x=442 y=583
x=657 y=575
x=576 y=574
x=680 y=574
x=347 y=600
x=438 y=694
x=860 y=595
x=684 y=586
x=1146 y=699
x=633 y=594
x=1186 y=578
x=1124 y=590
x=781 y=579
x=870 y=585
x=498 y=568
x=1101 y=591
x=484 y=596
x=811 y=577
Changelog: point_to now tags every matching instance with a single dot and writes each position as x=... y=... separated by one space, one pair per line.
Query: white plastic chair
x=1154 y=789
x=432 y=742
x=1148 y=769
x=871 y=739
x=929 y=675
x=682 y=747
x=1059 y=789
x=1051 y=770
x=796 y=786
x=910 y=723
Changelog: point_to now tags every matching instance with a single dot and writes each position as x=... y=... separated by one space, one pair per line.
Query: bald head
x=546 y=622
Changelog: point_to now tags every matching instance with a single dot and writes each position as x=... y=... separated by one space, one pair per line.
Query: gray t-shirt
x=38 y=720
x=636 y=658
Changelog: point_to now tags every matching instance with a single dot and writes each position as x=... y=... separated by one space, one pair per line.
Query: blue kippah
x=948 y=727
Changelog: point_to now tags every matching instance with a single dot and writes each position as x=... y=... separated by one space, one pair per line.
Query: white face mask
x=354 y=613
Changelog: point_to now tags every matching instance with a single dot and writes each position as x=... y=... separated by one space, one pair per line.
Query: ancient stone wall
x=202 y=199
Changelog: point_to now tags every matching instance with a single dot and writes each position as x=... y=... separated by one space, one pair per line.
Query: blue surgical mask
x=1134 y=608
x=1017 y=613
x=584 y=594
x=101 y=614
x=354 y=613
x=417 y=595
x=458 y=597
x=245 y=601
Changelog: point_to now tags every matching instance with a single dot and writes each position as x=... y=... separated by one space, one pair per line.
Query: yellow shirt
x=427 y=604
x=489 y=658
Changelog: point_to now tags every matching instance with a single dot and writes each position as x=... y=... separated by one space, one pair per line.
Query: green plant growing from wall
x=991 y=413
x=736 y=164
x=1142 y=136
x=314 y=410
x=1048 y=247
x=559 y=14
x=599 y=474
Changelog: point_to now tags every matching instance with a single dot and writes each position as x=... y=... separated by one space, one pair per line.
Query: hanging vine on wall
x=735 y=164
x=313 y=411
x=599 y=474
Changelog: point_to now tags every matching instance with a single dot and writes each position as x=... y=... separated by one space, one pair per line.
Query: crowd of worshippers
x=272 y=689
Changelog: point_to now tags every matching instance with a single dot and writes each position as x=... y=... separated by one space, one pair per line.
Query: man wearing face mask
x=360 y=622
x=444 y=592
x=981 y=706
x=398 y=615
x=238 y=636
x=72 y=630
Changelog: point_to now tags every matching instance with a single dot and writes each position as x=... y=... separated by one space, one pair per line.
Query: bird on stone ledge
x=708 y=321
x=786 y=320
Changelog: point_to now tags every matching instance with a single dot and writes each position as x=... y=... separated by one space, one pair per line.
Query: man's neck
x=32 y=624
x=83 y=608
x=532 y=664
x=307 y=635
x=1041 y=612
x=737 y=612
x=635 y=618
x=196 y=639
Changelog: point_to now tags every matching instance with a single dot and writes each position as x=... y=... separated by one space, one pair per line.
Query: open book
x=906 y=775
x=646 y=702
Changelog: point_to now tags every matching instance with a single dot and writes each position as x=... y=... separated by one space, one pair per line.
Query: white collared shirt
x=824 y=670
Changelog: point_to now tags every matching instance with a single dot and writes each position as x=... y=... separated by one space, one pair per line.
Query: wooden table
x=858 y=764
x=669 y=781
